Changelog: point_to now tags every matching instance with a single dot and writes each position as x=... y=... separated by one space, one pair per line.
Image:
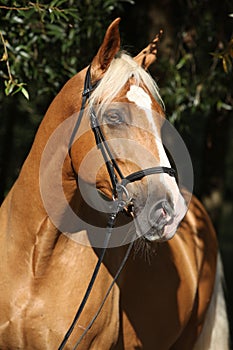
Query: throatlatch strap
x=88 y=88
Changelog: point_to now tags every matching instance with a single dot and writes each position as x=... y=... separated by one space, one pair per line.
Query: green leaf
x=9 y=87
x=183 y=61
x=25 y=93
x=223 y=105
x=61 y=2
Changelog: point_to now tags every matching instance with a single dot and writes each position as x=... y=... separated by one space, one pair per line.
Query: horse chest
x=40 y=314
x=157 y=304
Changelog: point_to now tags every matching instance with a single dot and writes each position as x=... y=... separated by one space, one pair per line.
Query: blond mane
x=121 y=69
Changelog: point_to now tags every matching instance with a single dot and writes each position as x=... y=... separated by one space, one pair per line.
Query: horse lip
x=157 y=235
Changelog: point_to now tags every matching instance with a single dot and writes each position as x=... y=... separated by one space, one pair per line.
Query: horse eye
x=113 y=117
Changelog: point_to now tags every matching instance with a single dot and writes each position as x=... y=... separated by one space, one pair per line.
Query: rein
x=110 y=225
x=121 y=200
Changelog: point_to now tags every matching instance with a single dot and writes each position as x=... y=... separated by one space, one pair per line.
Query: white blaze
x=137 y=95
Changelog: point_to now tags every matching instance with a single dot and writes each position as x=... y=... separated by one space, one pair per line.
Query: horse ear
x=110 y=46
x=148 y=55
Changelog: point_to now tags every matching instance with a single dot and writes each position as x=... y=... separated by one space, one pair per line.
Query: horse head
x=127 y=108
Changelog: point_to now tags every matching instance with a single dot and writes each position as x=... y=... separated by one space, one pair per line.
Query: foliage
x=198 y=82
x=42 y=44
x=45 y=41
x=196 y=85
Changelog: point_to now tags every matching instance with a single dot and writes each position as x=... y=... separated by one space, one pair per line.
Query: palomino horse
x=175 y=301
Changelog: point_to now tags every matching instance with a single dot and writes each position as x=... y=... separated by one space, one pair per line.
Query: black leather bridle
x=121 y=199
x=102 y=144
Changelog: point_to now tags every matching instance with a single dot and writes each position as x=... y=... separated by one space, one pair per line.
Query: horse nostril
x=160 y=214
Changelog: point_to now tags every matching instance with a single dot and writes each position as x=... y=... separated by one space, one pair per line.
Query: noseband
x=121 y=199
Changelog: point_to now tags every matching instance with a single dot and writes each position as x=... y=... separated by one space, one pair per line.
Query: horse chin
x=158 y=236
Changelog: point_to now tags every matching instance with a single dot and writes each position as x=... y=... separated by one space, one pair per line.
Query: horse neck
x=23 y=214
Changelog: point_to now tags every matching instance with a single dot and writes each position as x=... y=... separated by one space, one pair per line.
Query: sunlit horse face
x=129 y=110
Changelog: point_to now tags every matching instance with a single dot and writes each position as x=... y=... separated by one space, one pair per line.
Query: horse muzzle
x=157 y=215
x=160 y=215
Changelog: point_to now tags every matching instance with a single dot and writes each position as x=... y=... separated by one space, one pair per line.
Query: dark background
x=46 y=46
